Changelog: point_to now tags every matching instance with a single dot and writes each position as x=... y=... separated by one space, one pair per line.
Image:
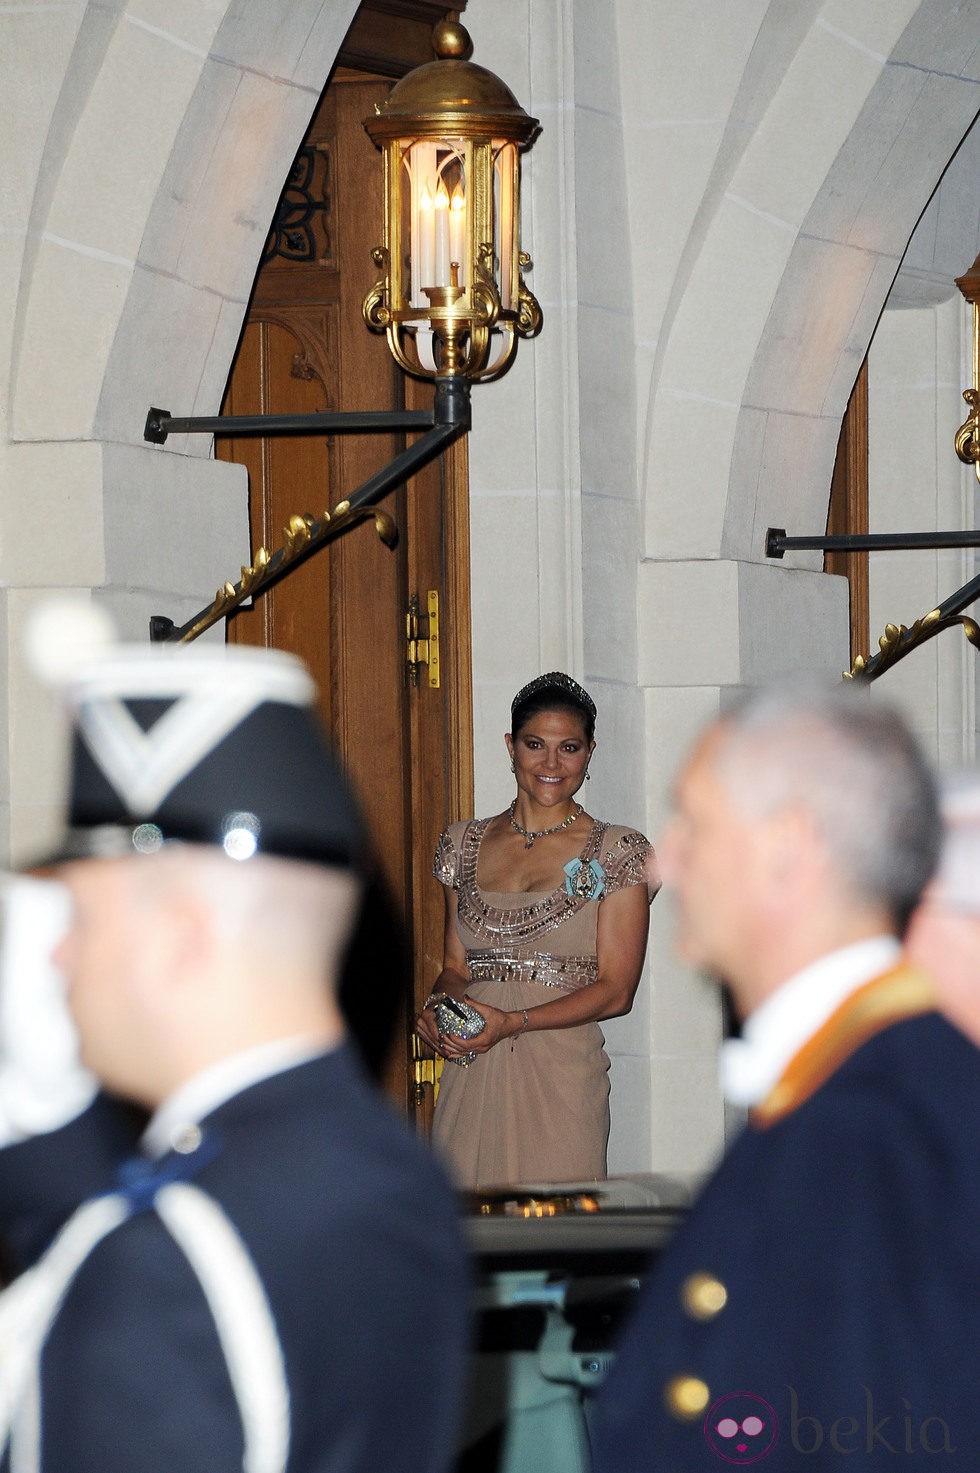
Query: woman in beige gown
x=546 y=929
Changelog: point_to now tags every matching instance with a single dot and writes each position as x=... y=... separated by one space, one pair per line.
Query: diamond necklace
x=531 y=834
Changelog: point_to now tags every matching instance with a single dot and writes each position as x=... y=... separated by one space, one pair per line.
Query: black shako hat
x=208 y=744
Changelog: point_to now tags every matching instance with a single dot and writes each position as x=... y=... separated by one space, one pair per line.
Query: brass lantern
x=452 y=298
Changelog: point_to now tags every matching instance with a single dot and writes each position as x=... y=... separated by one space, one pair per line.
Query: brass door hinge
x=421 y=651
x=423 y=1069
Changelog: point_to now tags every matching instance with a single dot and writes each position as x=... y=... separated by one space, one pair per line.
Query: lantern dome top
x=451 y=96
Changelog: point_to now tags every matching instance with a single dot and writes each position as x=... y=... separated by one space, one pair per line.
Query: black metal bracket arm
x=304 y=535
x=777 y=542
x=160 y=423
x=897 y=640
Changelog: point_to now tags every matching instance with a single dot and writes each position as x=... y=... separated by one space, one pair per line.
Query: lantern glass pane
x=418 y=161
x=436 y=202
x=506 y=245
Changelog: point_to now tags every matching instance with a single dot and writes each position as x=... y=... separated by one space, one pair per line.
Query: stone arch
x=165 y=154
x=801 y=234
x=147 y=145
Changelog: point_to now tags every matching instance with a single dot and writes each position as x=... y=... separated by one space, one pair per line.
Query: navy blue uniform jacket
x=354 y=1235
x=847 y=1238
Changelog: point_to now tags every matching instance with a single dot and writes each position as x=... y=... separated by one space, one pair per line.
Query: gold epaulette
x=900 y=993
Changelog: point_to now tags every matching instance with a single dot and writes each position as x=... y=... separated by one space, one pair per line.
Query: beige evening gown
x=537 y=1112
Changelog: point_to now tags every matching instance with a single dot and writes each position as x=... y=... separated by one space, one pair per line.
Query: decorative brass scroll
x=301 y=535
x=967 y=439
x=899 y=641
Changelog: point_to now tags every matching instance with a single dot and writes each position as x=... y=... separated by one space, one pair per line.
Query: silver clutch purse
x=458 y=1018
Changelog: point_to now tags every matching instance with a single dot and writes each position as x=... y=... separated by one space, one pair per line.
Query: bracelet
x=522 y=1029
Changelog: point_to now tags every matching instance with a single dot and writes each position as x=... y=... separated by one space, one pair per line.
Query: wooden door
x=847 y=512
x=407 y=747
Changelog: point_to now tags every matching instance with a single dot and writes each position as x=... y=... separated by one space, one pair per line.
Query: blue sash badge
x=585 y=881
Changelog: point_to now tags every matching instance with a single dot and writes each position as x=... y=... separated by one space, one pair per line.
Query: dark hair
x=555 y=691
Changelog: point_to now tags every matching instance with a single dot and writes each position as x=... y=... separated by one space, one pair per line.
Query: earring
x=588 y=775
x=512 y=767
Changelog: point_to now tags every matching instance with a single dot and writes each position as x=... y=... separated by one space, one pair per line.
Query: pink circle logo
x=741 y=1428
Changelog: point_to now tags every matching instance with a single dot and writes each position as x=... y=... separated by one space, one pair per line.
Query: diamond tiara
x=554 y=680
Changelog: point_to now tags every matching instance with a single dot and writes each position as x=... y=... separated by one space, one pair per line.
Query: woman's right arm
x=454 y=977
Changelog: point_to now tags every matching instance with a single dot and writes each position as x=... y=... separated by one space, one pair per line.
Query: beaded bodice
x=520 y=923
x=548 y=934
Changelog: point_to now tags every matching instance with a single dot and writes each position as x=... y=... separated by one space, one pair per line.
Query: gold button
x=703 y=1296
x=686 y=1398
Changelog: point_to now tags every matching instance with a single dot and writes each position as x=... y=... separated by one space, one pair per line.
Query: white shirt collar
x=780 y=1026
x=174 y=1123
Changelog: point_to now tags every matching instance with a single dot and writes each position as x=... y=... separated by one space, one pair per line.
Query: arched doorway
x=405 y=740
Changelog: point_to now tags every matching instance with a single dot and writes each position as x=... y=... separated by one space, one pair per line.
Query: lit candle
x=442 y=235
x=457 y=232
x=426 y=242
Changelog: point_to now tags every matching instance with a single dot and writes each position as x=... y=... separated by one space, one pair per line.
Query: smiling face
x=550 y=755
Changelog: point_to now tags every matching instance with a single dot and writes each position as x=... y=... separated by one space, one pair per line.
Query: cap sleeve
x=629 y=860
x=445 y=866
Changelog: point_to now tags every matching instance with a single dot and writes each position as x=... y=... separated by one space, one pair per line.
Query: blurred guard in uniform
x=817 y=1310
x=271 y=1279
